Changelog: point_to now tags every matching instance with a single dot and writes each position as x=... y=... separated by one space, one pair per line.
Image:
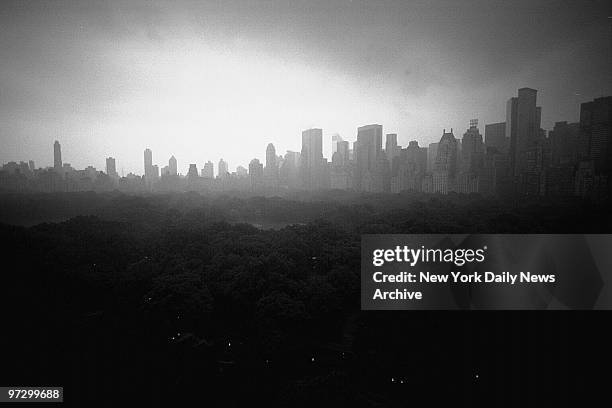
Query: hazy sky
x=210 y=80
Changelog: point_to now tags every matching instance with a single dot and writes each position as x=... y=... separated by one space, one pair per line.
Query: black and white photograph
x=305 y=203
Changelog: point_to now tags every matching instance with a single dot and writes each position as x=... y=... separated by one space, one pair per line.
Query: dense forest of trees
x=166 y=297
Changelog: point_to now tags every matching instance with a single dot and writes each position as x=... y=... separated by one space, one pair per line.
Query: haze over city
x=221 y=80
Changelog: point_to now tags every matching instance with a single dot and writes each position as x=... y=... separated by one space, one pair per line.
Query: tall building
x=256 y=174
x=57 y=155
x=289 y=174
x=242 y=171
x=511 y=129
x=335 y=139
x=523 y=124
x=432 y=153
x=193 y=171
x=311 y=158
x=270 y=156
x=367 y=152
x=596 y=129
x=564 y=140
x=445 y=168
x=472 y=149
x=172 y=166
x=222 y=169
x=392 y=150
x=148 y=165
x=495 y=137
x=111 y=168
x=209 y=170
x=271 y=169
x=342 y=149
x=408 y=170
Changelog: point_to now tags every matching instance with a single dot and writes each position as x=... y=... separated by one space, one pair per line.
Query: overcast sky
x=211 y=80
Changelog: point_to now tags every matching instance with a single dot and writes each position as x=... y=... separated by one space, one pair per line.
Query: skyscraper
x=523 y=118
x=256 y=174
x=209 y=170
x=57 y=155
x=495 y=137
x=445 y=168
x=172 y=166
x=432 y=153
x=342 y=149
x=368 y=148
x=148 y=165
x=392 y=150
x=289 y=173
x=564 y=140
x=596 y=129
x=511 y=129
x=271 y=170
x=335 y=139
x=193 y=171
x=271 y=163
x=472 y=149
x=111 y=168
x=222 y=169
x=311 y=158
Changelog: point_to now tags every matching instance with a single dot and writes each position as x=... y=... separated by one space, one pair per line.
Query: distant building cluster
x=516 y=157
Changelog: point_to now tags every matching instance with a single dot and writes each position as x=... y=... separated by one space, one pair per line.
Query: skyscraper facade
x=148 y=166
x=111 y=168
x=208 y=171
x=445 y=168
x=311 y=158
x=368 y=148
x=472 y=149
x=495 y=137
x=222 y=169
x=57 y=155
x=172 y=166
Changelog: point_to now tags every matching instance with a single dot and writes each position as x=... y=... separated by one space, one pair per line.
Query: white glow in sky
x=210 y=80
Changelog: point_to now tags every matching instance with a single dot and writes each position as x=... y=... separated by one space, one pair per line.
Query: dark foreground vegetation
x=157 y=300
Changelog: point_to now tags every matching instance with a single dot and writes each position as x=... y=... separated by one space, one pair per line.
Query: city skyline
x=100 y=75
x=513 y=158
x=327 y=140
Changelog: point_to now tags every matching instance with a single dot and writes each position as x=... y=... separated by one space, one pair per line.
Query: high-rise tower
x=57 y=155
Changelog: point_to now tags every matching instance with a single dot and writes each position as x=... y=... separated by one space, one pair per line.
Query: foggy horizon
x=204 y=81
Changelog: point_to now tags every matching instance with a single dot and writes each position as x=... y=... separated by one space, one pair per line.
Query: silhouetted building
x=311 y=158
x=222 y=169
x=596 y=128
x=529 y=148
x=472 y=149
x=148 y=166
x=367 y=152
x=57 y=156
x=432 y=153
x=335 y=139
x=111 y=168
x=392 y=149
x=409 y=169
x=192 y=173
x=564 y=139
x=208 y=171
x=241 y=171
x=495 y=137
x=172 y=166
x=445 y=169
x=256 y=173
x=271 y=169
x=289 y=174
